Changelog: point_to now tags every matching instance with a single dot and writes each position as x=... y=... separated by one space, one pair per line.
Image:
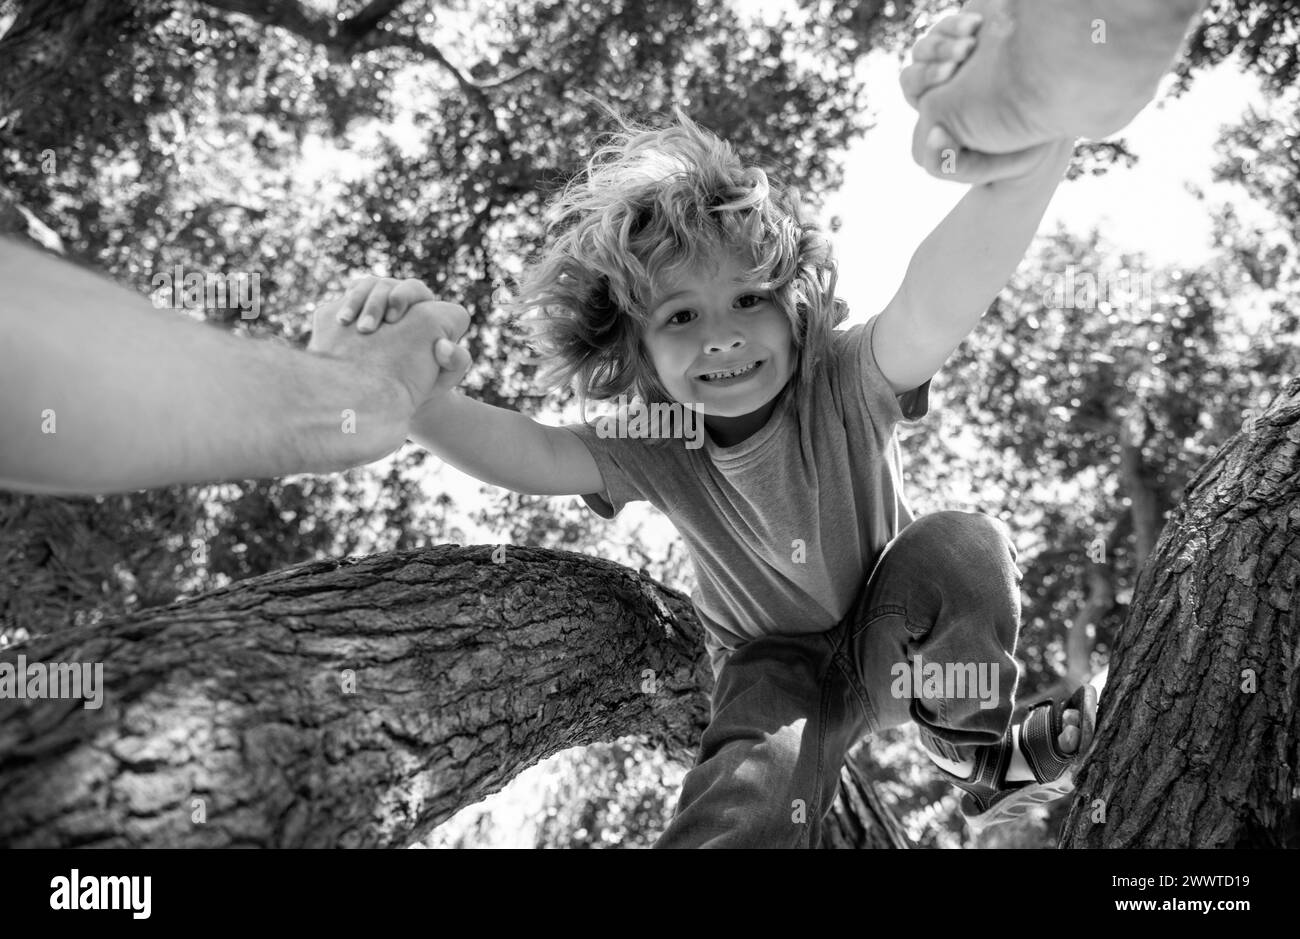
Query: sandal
x=991 y=800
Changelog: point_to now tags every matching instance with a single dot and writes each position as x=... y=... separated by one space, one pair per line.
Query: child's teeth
x=714 y=376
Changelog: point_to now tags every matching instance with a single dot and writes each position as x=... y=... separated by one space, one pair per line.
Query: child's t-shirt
x=785 y=527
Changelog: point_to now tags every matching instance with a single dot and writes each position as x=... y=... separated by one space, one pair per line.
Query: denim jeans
x=943 y=596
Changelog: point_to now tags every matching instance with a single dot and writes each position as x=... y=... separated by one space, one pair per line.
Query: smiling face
x=711 y=321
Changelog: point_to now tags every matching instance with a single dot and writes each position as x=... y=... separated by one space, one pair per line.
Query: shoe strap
x=1038 y=736
x=1038 y=733
x=989 y=775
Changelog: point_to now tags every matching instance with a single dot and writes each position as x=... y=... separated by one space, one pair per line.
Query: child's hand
x=381 y=300
x=937 y=55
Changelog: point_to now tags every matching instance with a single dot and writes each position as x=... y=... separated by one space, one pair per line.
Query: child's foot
x=1019 y=770
x=1033 y=764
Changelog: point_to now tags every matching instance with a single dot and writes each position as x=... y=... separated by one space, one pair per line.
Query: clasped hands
x=973 y=131
x=417 y=350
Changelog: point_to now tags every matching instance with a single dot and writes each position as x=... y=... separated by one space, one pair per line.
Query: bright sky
x=888 y=205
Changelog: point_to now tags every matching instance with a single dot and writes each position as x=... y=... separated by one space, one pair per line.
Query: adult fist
x=401 y=352
x=1050 y=69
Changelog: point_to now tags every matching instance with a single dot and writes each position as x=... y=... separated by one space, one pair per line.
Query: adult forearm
x=99 y=392
x=1097 y=62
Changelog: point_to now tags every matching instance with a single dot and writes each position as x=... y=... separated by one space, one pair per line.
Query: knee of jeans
x=965 y=535
x=966 y=524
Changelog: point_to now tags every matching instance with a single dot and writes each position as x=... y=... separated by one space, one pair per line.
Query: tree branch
x=360 y=34
x=346 y=703
x=370 y=17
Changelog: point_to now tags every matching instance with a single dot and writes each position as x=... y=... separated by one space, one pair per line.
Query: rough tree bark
x=1197 y=744
x=859 y=817
x=356 y=703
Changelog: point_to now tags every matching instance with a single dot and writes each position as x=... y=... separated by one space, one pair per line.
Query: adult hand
x=936 y=57
x=379 y=300
x=411 y=349
x=944 y=158
x=1043 y=70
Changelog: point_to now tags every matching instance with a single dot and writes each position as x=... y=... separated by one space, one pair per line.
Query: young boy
x=674 y=271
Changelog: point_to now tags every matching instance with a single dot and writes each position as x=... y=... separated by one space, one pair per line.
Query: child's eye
x=758 y=299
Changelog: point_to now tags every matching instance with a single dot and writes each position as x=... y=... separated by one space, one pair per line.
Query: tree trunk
x=1136 y=483
x=1197 y=741
x=1099 y=601
x=859 y=817
x=355 y=703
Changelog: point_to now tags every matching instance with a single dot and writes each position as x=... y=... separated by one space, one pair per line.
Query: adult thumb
x=943 y=158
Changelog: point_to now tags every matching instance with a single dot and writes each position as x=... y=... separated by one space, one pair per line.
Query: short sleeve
x=859 y=359
x=618 y=468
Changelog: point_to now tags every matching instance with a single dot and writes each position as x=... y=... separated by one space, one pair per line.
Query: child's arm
x=496 y=445
x=506 y=448
x=960 y=268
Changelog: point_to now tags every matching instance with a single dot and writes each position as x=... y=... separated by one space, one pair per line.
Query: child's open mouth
x=732 y=376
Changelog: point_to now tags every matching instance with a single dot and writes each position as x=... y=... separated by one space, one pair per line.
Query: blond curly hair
x=650 y=205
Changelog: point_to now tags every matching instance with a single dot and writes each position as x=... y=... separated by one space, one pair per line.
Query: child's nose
x=722 y=329
x=723 y=343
